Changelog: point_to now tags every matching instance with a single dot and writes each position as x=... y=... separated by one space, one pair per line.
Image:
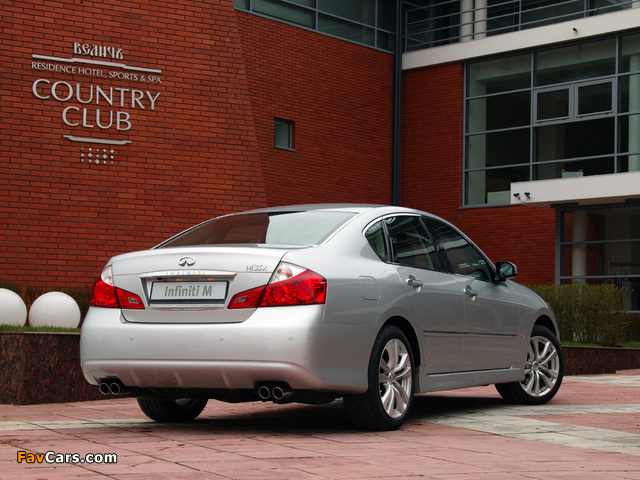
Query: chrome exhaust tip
x=281 y=393
x=104 y=388
x=114 y=388
x=264 y=393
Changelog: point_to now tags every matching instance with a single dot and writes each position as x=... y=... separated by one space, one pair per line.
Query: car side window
x=464 y=258
x=411 y=243
x=375 y=237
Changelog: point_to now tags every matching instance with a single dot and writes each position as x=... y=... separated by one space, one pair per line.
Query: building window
x=367 y=22
x=283 y=134
x=601 y=245
x=567 y=111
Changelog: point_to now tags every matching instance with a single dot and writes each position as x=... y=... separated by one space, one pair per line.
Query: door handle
x=470 y=291
x=414 y=282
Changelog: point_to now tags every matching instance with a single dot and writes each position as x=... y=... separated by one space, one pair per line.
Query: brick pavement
x=591 y=429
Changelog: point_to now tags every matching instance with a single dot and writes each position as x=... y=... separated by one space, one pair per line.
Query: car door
x=492 y=336
x=434 y=295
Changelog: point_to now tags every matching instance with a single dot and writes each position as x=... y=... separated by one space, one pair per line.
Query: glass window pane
x=612 y=250
x=536 y=13
x=595 y=98
x=552 y=104
x=283 y=228
x=345 y=29
x=575 y=168
x=493 y=186
x=630 y=53
x=411 y=243
x=362 y=11
x=500 y=75
x=283 y=133
x=386 y=41
x=606 y=6
x=502 y=16
x=375 y=237
x=576 y=62
x=629 y=87
x=304 y=3
x=614 y=223
x=575 y=139
x=499 y=111
x=629 y=141
x=290 y=13
x=497 y=149
x=387 y=14
x=463 y=257
x=241 y=4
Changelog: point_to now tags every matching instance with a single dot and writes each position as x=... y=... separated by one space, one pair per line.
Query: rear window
x=271 y=228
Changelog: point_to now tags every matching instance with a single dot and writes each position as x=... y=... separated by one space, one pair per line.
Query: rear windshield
x=271 y=228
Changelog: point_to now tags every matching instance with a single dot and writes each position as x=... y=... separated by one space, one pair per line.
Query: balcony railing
x=431 y=24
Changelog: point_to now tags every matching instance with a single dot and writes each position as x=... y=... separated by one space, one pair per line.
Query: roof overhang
x=594 y=189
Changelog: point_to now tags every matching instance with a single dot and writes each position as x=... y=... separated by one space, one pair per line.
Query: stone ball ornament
x=54 y=309
x=13 y=311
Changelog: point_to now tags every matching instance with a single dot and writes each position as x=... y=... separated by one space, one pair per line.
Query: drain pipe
x=397 y=100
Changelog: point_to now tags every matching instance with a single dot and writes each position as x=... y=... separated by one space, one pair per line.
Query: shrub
x=588 y=313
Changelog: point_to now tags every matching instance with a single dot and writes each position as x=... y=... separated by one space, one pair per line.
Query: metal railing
x=431 y=24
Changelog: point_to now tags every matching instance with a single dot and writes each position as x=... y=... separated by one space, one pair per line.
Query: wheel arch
x=545 y=321
x=406 y=327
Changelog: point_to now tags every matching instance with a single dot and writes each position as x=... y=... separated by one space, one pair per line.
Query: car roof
x=352 y=207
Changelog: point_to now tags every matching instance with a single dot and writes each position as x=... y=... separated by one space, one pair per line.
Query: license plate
x=189 y=292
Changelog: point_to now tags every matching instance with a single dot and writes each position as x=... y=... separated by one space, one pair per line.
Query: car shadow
x=317 y=419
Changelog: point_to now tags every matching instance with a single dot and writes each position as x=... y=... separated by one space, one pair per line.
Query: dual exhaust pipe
x=111 y=387
x=277 y=392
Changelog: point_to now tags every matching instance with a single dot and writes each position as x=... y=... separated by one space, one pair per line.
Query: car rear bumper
x=289 y=344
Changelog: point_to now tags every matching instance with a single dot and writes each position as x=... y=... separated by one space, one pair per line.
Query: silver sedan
x=311 y=303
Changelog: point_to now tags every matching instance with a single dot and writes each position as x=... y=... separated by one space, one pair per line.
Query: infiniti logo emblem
x=186 y=262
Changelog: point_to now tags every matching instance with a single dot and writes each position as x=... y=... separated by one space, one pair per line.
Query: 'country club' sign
x=91 y=104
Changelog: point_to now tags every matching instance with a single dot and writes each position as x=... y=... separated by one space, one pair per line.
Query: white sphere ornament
x=13 y=311
x=54 y=309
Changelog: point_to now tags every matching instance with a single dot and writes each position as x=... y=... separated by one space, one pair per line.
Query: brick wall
x=431 y=174
x=192 y=153
x=198 y=110
x=339 y=96
x=200 y=125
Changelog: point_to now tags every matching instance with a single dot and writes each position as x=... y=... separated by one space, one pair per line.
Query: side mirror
x=506 y=270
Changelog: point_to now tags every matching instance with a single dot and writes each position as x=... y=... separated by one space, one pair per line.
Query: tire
x=544 y=370
x=386 y=403
x=172 y=411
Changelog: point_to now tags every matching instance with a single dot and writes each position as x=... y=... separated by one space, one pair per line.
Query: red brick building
x=124 y=122
x=195 y=87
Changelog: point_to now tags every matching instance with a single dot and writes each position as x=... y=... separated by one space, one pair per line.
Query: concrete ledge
x=42 y=368
x=599 y=360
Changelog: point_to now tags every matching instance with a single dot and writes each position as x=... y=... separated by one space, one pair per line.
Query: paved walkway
x=590 y=430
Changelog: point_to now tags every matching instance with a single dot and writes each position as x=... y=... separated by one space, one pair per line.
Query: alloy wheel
x=542 y=368
x=395 y=378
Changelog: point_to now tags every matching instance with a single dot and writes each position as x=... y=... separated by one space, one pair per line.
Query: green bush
x=588 y=313
x=633 y=327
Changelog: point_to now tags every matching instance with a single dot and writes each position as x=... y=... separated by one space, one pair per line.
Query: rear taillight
x=289 y=285
x=106 y=295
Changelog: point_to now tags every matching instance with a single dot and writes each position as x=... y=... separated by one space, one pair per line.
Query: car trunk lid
x=194 y=284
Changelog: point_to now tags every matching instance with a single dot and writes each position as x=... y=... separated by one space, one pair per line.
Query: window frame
x=484 y=176
x=289 y=124
x=445 y=266
x=430 y=222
